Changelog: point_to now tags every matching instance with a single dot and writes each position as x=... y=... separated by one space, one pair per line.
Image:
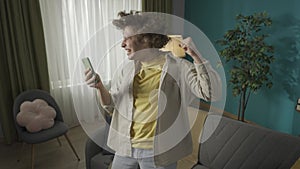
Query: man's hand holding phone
x=93 y=80
x=91 y=77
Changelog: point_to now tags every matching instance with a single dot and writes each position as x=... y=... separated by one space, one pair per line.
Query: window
x=68 y=27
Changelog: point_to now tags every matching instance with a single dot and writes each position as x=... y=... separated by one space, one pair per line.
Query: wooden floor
x=48 y=155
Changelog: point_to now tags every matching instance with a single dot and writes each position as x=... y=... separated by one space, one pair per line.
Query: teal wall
x=273 y=108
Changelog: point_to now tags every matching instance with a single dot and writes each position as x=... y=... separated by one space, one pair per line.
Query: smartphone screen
x=87 y=64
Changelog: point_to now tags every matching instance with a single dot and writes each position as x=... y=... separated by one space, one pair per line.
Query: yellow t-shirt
x=145 y=93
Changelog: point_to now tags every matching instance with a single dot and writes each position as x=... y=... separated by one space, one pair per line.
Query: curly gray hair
x=148 y=27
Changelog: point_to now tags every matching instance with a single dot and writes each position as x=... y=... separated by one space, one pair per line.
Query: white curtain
x=74 y=29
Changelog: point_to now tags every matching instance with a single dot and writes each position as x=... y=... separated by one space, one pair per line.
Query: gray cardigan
x=180 y=83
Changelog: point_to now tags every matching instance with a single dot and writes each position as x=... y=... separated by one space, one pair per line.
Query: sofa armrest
x=91 y=149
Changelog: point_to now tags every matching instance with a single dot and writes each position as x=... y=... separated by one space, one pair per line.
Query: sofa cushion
x=101 y=161
x=200 y=167
x=238 y=145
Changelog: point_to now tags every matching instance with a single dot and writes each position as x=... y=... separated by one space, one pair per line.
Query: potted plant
x=245 y=47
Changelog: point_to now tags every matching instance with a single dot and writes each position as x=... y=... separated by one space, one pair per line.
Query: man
x=148 y=99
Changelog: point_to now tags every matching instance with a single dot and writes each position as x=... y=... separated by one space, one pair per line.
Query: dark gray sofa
x=238 y=145
x=96 y=157
x=228 y=144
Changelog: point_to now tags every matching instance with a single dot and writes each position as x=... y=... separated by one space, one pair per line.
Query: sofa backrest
x=237 y=145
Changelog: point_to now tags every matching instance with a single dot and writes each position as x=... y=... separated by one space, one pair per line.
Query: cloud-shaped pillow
x=36 y=115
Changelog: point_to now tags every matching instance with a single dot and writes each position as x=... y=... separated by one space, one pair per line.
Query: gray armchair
x=59 y=128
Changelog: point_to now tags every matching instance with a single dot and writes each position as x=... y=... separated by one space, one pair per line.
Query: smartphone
x=87 y=64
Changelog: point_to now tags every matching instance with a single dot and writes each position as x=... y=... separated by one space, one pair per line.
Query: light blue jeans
x=140 y=157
